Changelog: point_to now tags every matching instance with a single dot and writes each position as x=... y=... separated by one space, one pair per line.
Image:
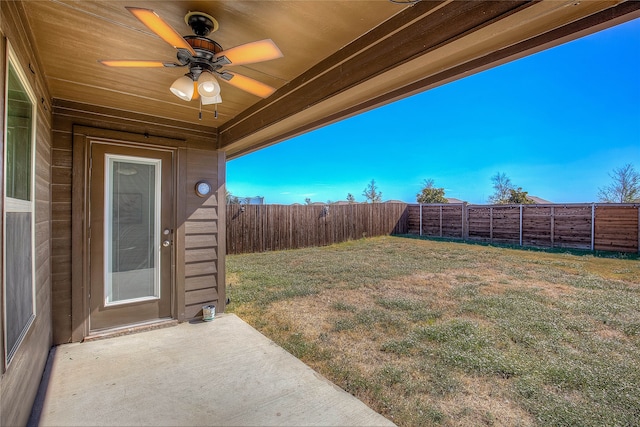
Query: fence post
x=491 y=224
x=521 y=224
x=553 y=224
x=420 y=219
x=593 y=225
x=462 y=221
x=440 y=220
x=465 y=208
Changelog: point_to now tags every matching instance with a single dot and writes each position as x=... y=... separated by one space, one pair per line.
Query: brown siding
x=19 y=384
x=201 y=234
x=197 y=158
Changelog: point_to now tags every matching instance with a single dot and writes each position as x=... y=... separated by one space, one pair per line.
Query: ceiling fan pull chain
x=200 y=112
x=215 y=113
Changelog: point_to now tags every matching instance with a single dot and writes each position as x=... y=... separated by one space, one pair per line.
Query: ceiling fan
x=204 y=57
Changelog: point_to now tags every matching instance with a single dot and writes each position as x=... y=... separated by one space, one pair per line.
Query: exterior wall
x=204 y=233
x=202 y=259
x=199 y=251
x=19 y=383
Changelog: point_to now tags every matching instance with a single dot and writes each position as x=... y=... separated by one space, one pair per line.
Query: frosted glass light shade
x=206 y=100
x=208 y=86
x=183 y=88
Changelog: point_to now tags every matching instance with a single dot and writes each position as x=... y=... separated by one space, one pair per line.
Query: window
x=18 y=216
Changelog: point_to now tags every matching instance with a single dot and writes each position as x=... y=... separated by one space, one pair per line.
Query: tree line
x=624 y=188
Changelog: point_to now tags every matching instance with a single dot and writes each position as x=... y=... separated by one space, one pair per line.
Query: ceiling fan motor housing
x=201 y=23
x=206 y=49
x=205 y=60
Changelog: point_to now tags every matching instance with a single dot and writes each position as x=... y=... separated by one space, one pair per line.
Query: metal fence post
x=491 y=224
x=462 y=221
x=553 y=225
x=520 y=224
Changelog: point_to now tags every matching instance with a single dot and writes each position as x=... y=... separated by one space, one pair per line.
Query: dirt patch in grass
x=555 y=290
x=610 y=334
x=438 y=333
x=483 y=402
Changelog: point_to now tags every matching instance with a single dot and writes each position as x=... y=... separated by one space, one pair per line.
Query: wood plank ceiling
x=340 y=57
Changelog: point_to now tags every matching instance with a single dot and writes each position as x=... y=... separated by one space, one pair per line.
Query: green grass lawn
x=441 y=333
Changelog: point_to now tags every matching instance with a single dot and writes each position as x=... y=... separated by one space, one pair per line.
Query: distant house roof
x=346 y=202
x=538 y=201
x=256 y=200
x=454 y=200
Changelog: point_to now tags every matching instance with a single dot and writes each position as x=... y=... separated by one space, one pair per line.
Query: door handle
x=166 y=243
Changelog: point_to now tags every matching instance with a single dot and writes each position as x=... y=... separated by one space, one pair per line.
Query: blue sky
x=557 y=123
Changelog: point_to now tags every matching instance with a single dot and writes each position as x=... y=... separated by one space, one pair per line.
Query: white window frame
x=16 y=205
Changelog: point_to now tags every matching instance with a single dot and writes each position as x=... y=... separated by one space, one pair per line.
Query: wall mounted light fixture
x=203 y=188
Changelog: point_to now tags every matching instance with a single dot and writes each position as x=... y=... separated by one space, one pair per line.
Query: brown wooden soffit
x=198 y=136
x=422 y=47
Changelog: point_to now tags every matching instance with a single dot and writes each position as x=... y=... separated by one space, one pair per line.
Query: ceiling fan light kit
x=204 y=57
x=208 y=85
x=183 y=88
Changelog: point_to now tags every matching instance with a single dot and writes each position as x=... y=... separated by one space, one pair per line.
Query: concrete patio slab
x=222 y=372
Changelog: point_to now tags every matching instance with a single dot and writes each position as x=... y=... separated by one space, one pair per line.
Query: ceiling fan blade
x=136 y=63
x=247 y=84
x=165 y=31
x=258 y=51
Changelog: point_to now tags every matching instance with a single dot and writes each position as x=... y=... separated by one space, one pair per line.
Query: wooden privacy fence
x=259 y=228
x=608 y=227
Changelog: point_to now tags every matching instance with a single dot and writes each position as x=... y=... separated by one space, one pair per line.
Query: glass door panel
x=132 y=243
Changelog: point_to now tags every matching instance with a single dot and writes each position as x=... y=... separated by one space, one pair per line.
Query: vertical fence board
x=259 y=228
